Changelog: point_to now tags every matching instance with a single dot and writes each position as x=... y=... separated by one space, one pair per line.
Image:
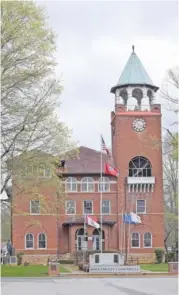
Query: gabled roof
x=134 y=74
x=88 y=162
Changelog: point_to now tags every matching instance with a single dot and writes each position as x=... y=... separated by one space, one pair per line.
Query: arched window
x=147 y=240
x=104 y=184
x=87 y=184
x=29 y=241
x=42 y=241
x=71 y=184
x=135 y=243
x=140 y=167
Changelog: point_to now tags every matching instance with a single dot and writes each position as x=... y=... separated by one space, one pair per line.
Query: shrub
x=66 y=261
x=159 y=253
x=170 y=257
x=19 y=258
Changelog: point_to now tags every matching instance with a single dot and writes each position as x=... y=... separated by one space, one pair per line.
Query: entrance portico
x=79 y=240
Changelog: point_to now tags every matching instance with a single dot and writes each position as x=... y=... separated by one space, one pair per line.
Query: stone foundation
x=35 y=259
x=43 y=258
x=142 y=258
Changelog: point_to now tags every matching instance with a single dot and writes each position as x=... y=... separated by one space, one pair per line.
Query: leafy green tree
x=5 y=223
x=30 y=90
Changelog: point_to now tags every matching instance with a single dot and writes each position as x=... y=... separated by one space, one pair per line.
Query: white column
x=137 y=188
x=152 y=188
x=145 y=188
x=153 y=99
x=145 y=100
x=140 y=188
x=133 y=188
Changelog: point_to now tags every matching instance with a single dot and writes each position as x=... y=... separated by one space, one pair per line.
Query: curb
x=108 y=275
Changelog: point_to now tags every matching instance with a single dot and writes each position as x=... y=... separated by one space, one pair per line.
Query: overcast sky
x=94 y=42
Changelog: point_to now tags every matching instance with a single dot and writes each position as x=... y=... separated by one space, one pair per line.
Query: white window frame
x=31 y=208
x=26 y=174
x=66 y=202
x=25 y=241
x=71 y=183
x=47 y=176
x=145 y=206
x=45 y=241
x=106 y=181
x=87 y=182
x=139 y=240
x=84 y=207
x=109 y=207
x=144 y=239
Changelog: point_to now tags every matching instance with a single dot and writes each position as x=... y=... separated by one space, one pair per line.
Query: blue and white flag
x=126 y=218
x=131 y=218
x=135 y=218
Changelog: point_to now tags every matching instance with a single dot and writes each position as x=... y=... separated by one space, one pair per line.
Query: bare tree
x=170 y=169
x=170 y=91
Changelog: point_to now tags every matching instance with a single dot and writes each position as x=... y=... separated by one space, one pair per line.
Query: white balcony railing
x=141 y=180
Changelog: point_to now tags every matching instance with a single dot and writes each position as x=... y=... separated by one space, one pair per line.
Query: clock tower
x=137 y=153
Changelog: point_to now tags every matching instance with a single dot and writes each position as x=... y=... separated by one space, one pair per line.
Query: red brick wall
x=128 y=144
x=24 y=223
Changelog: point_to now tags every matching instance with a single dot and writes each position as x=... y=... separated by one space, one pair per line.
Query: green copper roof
x=134 y=74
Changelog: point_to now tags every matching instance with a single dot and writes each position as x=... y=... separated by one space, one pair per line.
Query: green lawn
x=27 y=271
x=163 y=267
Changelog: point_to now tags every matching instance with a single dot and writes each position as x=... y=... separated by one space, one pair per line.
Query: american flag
x=104 y=147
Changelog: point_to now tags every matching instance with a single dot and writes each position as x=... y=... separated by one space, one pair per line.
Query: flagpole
x=122 y=234
x=129 y=239
x=84 y=238
x=101 y=169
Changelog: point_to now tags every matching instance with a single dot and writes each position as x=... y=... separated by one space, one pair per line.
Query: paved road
x=119 y=286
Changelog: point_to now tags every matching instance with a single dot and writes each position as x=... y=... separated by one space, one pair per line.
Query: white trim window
x=29 y=241
x=135 y=240
x=87 y=184
x=35 y=207
x=141 y=206
x=71 y=184
x=88 y=207
x=140 y=167
x=47 y=172
x=147 y=240
x=42 y=241
x=70 y=207
x=44 y=172
x=106 y=207
x=104 y=184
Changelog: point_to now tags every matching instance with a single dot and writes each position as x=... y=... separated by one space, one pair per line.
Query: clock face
x=139 y=125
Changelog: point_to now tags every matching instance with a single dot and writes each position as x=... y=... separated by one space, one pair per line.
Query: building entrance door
x=96 y=243
x=82 y=243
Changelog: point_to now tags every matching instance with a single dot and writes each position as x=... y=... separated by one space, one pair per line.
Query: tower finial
x=133 y=48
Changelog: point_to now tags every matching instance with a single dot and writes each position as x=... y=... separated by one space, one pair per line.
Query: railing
x=141 y=180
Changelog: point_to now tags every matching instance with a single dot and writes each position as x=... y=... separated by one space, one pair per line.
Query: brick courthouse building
x=137 y=153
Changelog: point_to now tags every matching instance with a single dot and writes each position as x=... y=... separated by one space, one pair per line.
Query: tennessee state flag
x=111 y=171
